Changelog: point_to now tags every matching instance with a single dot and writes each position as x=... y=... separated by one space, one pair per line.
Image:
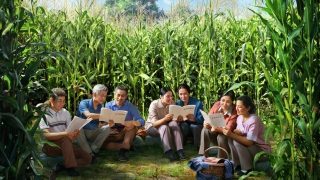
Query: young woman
x=160 y=123
x=194 y=123
x=247 y=139
x=215 y=134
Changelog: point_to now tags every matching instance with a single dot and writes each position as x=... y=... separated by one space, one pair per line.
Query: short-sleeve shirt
x=199 y=106
x=55 y=121
x=133 y=113
x=157 y=111
x=87 y=105
x=253 y=129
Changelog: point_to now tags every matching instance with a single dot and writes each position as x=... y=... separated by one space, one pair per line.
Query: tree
x=134 y=7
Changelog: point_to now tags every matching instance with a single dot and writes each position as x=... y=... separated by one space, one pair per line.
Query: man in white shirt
x=54 y=127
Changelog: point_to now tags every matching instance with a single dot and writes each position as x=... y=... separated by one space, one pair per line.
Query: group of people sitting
x=242 y=136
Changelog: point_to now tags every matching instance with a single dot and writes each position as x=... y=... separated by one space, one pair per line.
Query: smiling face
x=242 y=109
x=100 y=97
x=120 y=97
x=184 y=95
x=167 y=98
x=58 y=103
x=226 y=103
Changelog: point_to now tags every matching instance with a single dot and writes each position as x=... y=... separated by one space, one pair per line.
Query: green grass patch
x=145 y=162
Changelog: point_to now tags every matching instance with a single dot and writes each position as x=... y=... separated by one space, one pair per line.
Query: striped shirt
x=56 y=121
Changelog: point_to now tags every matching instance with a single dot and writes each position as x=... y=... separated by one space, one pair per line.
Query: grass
x=146 y=162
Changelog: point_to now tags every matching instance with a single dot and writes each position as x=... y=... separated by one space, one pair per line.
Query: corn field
x=273 y=56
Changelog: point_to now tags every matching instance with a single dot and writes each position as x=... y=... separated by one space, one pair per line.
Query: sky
x=241 y=5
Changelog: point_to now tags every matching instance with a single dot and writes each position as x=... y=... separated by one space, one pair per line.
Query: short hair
x=98 y=88
x=230 y=94
x=184 y=86
x=164 y=90
x=122 y=88
x=56 y=93
x=248 y=103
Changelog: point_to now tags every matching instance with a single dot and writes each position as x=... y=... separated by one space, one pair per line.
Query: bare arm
x=241 y=139
x=94 y=116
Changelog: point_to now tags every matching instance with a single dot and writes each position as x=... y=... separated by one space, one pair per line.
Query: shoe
x=58 y=168
x=122 y=156
x=72 y=172
x=170 y=155
x=132 y=148
x=241 y=172
x=93 y=159
x=181 y=155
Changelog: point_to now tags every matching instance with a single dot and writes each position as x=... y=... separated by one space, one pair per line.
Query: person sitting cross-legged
x=54 y=127
x=122 y=135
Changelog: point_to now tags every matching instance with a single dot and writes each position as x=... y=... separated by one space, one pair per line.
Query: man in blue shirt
x=93 y=134
x=122 y=136
x=194 y=124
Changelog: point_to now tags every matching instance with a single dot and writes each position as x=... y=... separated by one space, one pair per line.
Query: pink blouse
x=253 y=129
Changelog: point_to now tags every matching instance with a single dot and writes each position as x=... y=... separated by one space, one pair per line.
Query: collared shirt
x=230 y=117
x=87 y=105
x=157 y=111
x=55 y=121
x=199 y=106
x=253 y=129
x=133 y=113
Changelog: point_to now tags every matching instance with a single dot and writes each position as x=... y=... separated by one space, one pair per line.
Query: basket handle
x=215 y=147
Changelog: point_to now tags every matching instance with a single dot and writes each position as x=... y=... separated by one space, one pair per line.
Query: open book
x=177 y=110
x=77 y=123
x=216 y=120
x=117 y=116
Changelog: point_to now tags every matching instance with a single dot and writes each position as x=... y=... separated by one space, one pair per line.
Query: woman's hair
x=229 y=93
x=56 y=93
x=184 y=86
x=248 y=103
x=164 y=90
x=98 y=88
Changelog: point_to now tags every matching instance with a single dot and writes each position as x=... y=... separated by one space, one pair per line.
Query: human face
x=100 y=97
x=167 y=98
x=184 y=95
x=226 y=103
x=58 y=104
x=242 y=109
x=120 y=96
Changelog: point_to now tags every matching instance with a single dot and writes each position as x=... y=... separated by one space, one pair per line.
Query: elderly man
x=93 y=134
x=122 y=135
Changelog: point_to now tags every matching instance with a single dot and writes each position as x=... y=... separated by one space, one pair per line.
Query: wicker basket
x=217 y=169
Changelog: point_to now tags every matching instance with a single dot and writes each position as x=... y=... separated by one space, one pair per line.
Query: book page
x=188 y=109
x=77 y=123
x=216 y=120
x=177 y=110
x=117 y=116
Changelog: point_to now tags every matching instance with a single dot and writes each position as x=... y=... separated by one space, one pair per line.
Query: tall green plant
x=20 y=58
x=292 y=71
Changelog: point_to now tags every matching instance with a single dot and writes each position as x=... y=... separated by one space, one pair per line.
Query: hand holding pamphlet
x=118 y=116
x=215 y=120
x=77 y=124
x=183 y=111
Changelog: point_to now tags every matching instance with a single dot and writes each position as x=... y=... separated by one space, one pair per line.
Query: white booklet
x=118 y=116
x=183 y=111
x=77 y=123
x=216 y=120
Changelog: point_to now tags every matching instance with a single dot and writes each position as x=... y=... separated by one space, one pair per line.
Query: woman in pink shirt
x=247 y=139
